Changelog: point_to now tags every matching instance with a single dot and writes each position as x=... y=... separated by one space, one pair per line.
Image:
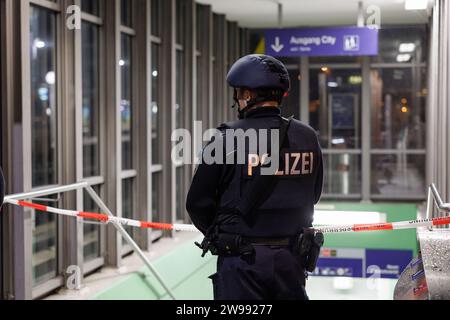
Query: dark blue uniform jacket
x=218 y=188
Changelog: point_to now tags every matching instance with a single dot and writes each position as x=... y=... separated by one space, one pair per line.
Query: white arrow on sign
x=277 y=47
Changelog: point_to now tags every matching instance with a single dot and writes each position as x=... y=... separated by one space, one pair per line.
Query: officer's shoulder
x=230 y=125
x=303 y=127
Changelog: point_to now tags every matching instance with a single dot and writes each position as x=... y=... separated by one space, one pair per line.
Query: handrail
x=435 y=198
x=86 y=186
x=48 y=192
x=438 y=200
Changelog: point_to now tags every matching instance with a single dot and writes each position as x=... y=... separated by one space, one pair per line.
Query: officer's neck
x=265 y=104
x=269 y=104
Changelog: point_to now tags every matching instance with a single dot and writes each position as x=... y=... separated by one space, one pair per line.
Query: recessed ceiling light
x=39 y=44
x=333 y=84
x=407 y=47
x=416 y=4
x=403 y=57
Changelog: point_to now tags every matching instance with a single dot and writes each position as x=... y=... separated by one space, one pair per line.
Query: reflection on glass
x=180 y=90
x=290 y=103
x=181 y=21
x=396 y=175
x=402 y=44
x=45 y=235
x=398 y=108
x=199 y=28
x=156 y=197
x=125 y=13
x=216 y=109
x=342 y=174
x=156 y=6
x=127 y=202
x=90 y=6
x=43 y=96
x=179 y=115
x=232 y=56
x=91 y=103
x=91 y=239
x=335 y=107
x=156 y=103
x=200 y=93
x=180 y=205
x=126 y=109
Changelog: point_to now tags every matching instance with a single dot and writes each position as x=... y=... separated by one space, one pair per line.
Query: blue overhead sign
x=353 y=41
x=362 y=263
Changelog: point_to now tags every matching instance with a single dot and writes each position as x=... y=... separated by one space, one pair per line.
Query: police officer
x=257 y=260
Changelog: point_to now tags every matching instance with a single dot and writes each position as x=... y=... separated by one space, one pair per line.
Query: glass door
x=335 y=105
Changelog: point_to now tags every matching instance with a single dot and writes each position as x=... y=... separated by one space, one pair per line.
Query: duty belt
x=283 y=242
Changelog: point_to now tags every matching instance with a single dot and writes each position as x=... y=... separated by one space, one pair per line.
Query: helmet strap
x=250 y=104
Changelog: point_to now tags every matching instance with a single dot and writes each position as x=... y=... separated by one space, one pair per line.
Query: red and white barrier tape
x=104 y=218
x=412 y=224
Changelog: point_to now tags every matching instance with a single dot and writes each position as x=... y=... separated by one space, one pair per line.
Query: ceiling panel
x=297 y=13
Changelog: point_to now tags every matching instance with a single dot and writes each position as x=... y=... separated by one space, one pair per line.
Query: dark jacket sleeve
x=318 y=188
x=203 y=196
x=204 y=193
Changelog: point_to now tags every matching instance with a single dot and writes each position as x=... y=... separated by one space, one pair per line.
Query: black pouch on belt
x=308 y=248
x=233 y=245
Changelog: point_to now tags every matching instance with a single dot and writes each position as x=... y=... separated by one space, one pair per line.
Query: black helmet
x=258 y=71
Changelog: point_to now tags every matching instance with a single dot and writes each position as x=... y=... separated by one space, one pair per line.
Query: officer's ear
x=246 y=95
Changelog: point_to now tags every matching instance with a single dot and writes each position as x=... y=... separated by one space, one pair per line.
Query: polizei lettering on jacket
x=294 y=164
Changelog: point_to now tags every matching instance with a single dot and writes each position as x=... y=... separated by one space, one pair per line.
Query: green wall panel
x=396 y=239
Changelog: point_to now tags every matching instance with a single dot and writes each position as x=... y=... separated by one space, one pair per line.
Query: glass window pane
x=290 y=105
x=398 y=108
x=199 y=26
x=156 y=6
x=90 y=6
x=43 y=97
x=45 y=239
x=126 y=109
x=127 y=202
x=396 y=175
x=156 y=103
x=125 y=13
x=202 y=95
x=91 y=239
x=156 y=197
x=180 y=204
x=91 y=100
x=217 y=113
x=335 y=107
x=342 y=174
x=180 y=90
x=181 y=21
x=402 y=44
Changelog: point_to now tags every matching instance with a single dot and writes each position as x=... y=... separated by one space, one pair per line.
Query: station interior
x=91 y=92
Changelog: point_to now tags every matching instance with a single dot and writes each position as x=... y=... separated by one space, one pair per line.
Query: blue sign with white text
x=387 y=263
x=353 y=41
x=362 y=263
x=343 y=267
